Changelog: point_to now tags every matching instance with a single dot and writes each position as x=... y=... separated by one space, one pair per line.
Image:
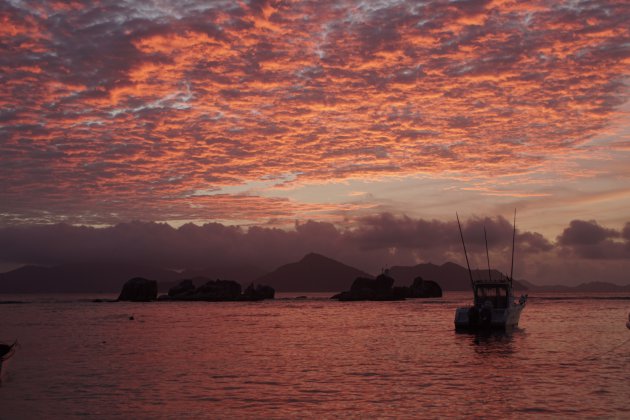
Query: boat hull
x=500 y=319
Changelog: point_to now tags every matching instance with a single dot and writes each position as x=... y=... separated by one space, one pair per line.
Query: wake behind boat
x=494 y=305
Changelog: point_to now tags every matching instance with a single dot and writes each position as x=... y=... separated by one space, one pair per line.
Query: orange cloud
x=130 y=112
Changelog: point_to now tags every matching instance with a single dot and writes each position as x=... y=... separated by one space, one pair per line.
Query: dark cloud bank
x=375 y=242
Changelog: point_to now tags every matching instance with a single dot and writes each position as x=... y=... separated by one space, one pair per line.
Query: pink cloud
x=111 y=113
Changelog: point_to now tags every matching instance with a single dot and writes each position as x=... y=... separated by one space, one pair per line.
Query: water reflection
x=491 y=343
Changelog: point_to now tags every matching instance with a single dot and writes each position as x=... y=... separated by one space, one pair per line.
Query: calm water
x=312 y=358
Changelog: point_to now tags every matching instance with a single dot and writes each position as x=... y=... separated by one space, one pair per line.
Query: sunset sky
x=374 y=120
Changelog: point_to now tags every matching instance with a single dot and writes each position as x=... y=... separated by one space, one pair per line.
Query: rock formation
x=183 y=288
x=381 y=288
x=424 y=289
x=258 y=292
x=217 y=291
x=139 y=289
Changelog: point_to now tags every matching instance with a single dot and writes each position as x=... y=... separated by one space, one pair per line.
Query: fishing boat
x=494 y=305
x=6 y=351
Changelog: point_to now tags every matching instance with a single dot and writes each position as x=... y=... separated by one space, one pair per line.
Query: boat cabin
x=498 y=294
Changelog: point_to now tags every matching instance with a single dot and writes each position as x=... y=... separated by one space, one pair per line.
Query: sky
x=356 y=128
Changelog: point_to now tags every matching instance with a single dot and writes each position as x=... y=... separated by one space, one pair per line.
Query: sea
x=312 y=357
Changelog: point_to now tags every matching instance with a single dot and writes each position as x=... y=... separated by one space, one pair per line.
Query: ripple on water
x=311 y=358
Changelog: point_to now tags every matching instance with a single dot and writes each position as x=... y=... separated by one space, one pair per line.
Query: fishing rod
x=485 y=236
x=472 y=283
x=513 y=241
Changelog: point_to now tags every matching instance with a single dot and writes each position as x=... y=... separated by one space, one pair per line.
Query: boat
x=494 y=305
x=6 y=351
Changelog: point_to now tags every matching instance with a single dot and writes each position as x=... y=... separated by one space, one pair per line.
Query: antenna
x=485 y=236
x=513 y=240
x=472 y=283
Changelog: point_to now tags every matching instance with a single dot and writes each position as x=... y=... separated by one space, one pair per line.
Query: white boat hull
x=501 y=318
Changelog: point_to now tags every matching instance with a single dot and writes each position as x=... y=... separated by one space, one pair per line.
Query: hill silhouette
x=78 y=278
x=313 y=273
x=594 y=286
x=109 y=278
x=449 y=276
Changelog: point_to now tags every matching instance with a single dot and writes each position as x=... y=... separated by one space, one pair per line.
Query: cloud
x=582 y=232
x=104 y=105
x=587 y=239
x=371 y=243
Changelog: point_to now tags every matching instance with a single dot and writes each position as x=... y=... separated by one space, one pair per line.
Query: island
x=382 y=288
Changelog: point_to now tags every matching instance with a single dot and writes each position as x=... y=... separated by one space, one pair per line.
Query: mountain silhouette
x=594 y=286
x=313 y=273
x=449 y=276
x=78 y=278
